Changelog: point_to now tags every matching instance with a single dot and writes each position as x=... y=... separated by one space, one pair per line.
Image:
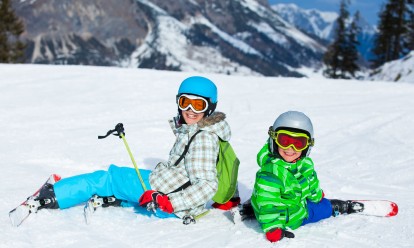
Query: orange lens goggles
x=196 y=103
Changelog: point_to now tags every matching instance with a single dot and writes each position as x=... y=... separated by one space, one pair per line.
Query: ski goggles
x=286 y=139
x=197 y=103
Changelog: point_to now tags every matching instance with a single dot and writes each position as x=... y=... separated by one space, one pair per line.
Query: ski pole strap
x=188 y=219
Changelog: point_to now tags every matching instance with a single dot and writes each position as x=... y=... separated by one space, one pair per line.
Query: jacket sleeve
x=308 y=171
x=200 y=164
x=269 y=200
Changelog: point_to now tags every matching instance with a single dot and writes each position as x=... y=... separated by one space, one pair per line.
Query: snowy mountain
x=243 y=37
x=312 y=21
x=51 y=117
x=322 y=25
x=401 y=70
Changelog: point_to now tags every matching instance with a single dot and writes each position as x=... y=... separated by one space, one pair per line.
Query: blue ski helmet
x=200 y=86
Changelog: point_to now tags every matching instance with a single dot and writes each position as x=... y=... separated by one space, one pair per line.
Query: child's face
x=289 y=154
x=190 y=117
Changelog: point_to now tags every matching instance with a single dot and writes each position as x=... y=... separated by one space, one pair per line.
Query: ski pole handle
x=119 y=129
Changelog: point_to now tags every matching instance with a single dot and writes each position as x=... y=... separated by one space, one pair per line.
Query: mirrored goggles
x=196 y=103
x=286 y=139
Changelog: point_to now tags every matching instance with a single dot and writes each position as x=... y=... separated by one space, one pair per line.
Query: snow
x=286 y=28
x=267 y=30
x=301 y=38
x=400 y=70
x=51 y=117
x=318 y=22
x=242 y=46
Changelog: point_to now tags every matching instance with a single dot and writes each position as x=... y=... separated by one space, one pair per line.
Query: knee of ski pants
x=74 y=190
x=125 y=182
x=318 y=211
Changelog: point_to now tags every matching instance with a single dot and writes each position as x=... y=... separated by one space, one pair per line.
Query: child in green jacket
x=287 y=193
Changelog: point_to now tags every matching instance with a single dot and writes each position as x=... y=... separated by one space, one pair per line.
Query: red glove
x=278 y=234
x=162 y=201
x=233 y=202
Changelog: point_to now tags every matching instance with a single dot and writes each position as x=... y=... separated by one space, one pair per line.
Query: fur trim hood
x=215 y=123
x=214 y=118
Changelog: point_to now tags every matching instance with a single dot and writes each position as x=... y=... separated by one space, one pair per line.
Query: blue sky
x=369 y=9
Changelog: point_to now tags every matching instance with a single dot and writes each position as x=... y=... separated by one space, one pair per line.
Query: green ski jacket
x=281 y=190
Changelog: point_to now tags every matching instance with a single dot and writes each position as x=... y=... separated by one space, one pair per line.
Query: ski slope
x=51 y=117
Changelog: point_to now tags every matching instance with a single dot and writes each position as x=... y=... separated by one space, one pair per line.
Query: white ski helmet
x=292 y=121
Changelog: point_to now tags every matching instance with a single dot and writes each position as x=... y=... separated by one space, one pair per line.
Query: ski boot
x=103 y=201
x=99 y=201
x=45 y=199
x=345 y=207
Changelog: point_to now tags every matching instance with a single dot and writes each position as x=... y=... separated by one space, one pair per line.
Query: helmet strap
x=180 y=118
x=211 y=108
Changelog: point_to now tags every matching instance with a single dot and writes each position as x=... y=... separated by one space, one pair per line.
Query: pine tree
x=11 y=48
x=342 y=55
x=410 y=33
x=393 y=39
x=351 y=52
x=382 y=43
x=333 y=58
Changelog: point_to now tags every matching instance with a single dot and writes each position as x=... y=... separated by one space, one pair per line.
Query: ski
x=89 y=209
x=378 y=208
x=19 y=214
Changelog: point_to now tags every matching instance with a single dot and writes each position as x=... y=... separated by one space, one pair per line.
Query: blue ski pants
x=121 y=182
x=318 y=211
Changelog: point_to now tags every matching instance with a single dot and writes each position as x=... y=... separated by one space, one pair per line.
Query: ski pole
x=120 y=132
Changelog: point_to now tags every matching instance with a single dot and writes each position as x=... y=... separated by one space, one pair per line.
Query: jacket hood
x=215 y=123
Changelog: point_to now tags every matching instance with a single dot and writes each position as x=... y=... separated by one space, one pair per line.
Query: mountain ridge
x=244 y=37
x=322 y=25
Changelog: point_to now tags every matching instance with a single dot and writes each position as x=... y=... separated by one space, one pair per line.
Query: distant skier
x=181 y=189
x=286 y=192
